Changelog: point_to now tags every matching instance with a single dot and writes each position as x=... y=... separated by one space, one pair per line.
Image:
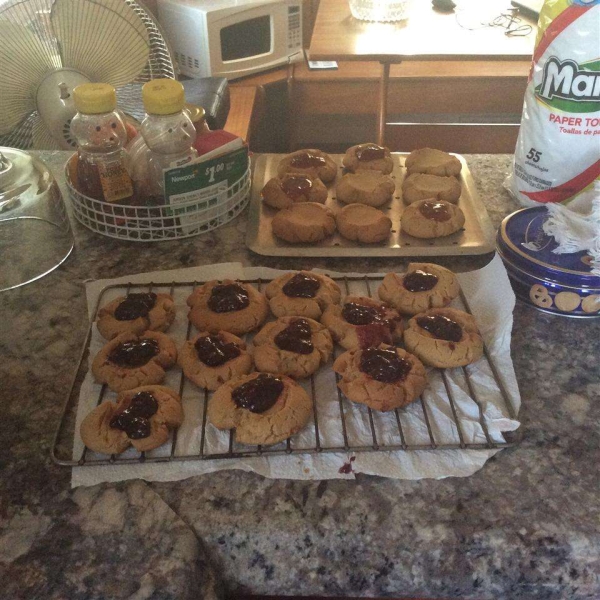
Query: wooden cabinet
x=460 y=106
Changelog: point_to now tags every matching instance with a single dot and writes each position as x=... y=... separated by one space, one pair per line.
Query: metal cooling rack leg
x=432 y=439
x=400 y=431
x=372 y=424
x=315 y=416
x=475 y=398
x=341 y=407
x=453 y=407
x=203 y=432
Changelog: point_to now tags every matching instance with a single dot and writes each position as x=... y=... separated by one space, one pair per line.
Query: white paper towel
x=491 y=299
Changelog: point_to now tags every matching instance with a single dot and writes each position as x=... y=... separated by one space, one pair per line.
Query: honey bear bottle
x=99 y=129
x=168 y=132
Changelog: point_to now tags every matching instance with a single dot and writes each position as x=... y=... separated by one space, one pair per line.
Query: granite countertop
x=525 y=527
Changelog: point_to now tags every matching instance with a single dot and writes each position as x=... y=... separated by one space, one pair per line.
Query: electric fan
x=48 y=47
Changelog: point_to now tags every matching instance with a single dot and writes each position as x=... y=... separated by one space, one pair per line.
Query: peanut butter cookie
x=368 y=157
x=422 y=186
x=142 y=418
x=136 y=313
x=304 y=294
x=433 y=162
x=444 y=338
x=363 y=224
x=212 y=359
x=431 y=219
x=131 y=360
x=262 y=408
x=312 y=162
x=362 y=322
x=282 y=192
x=227 y=306
x=293 y=346
x=365 y=187
x=304 y=223
x=423 y=286
x=383 y=378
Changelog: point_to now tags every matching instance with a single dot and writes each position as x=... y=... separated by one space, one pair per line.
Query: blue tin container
x=561 y=284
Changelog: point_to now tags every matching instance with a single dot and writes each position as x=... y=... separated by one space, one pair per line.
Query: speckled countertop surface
x=525 y=527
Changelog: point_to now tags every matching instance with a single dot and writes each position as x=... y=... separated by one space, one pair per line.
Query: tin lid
x=522 y=241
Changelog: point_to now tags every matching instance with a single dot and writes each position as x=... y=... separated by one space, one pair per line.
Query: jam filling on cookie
x=214 y=352
x=296 y=337
x=259 y=394
x=228 y=297
x=419 y=281
x=295 y=186
x=441 y=327
x=369 y=152
x=135 y=306
x=134 y=354
x=301 y=286
x=135 y=419
x=306 y=160
x=357 y=314
x=372 y=326
x=384 y=365
x=436 y=211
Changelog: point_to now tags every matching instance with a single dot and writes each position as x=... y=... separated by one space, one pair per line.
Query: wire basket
x=161 y=222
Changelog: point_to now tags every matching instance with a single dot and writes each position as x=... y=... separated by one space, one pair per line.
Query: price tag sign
x=196 y=191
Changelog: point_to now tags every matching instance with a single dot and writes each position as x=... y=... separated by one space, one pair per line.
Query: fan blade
x=24 y=61
x=104 y=39
x=20 y=136
x=42 y=138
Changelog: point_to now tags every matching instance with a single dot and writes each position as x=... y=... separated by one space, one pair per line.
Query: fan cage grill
x=160 y=223
x=34 y=14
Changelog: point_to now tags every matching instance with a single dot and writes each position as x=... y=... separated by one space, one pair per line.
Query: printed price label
x=195 y=188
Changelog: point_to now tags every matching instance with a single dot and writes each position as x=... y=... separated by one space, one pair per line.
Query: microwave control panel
x=294 y=27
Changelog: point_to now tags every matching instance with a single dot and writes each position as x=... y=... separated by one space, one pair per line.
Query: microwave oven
x=231 y=38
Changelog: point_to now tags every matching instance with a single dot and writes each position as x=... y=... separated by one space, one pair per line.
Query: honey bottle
x=169 y=134
x=99 y=129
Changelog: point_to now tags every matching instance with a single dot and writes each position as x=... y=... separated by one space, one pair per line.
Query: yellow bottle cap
x=163 y=96
x=94 y=98
x=197 y=113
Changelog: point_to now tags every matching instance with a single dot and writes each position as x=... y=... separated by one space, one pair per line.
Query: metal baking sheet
x=477 y=236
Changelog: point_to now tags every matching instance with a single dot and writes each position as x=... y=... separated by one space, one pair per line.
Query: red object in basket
x=212 y=140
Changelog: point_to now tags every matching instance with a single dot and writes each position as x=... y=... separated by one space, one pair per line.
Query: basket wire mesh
x=161 y=222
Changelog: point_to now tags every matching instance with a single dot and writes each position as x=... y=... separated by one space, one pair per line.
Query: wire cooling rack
x=333 y=413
